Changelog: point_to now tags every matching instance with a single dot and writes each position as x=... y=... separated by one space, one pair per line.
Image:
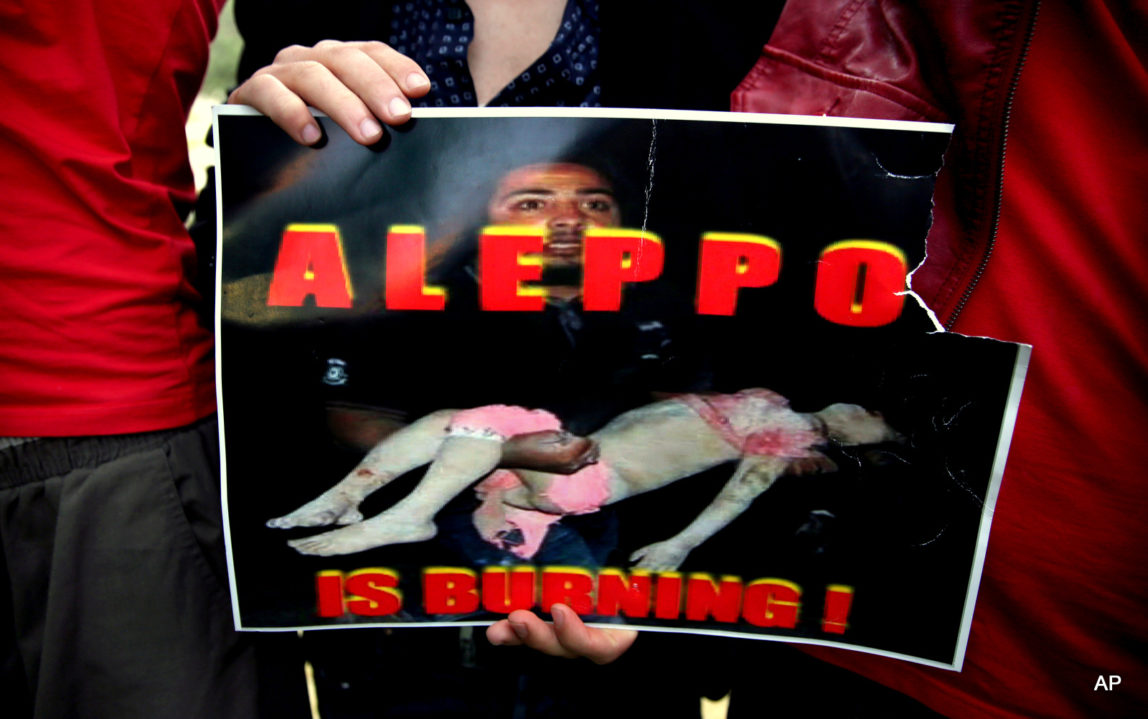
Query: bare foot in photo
x=375 y=532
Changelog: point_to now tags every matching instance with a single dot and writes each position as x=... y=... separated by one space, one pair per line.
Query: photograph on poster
x=665 y=368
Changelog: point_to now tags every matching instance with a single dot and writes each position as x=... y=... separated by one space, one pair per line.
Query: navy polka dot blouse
x=436 y=34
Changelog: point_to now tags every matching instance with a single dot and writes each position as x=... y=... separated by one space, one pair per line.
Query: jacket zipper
x=999 y=193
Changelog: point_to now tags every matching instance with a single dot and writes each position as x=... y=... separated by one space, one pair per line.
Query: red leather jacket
x=1043 y=244
x=936 y=61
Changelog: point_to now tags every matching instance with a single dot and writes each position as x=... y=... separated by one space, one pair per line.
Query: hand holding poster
x=663 y=368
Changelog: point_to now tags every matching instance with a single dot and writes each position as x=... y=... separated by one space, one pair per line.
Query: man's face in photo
x=564 y=198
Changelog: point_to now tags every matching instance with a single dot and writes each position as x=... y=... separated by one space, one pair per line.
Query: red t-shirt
x=98 y=333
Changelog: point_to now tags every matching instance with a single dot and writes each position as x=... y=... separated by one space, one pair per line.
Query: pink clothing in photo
x=500 y=422
x=580 y=493
x=756 y=422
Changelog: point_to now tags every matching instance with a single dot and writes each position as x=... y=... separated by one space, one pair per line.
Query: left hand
x=568 y=636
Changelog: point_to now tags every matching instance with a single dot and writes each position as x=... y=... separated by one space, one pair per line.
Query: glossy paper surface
x=749 y=425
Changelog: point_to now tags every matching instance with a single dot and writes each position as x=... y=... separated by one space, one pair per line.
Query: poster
x=662 y=367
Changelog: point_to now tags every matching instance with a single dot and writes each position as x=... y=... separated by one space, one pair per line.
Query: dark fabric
x=680 y=55
x=782 y=677
x=671 y=54
x=114 y=584
x=454 y=672
x=437 y=33
x=589 y=367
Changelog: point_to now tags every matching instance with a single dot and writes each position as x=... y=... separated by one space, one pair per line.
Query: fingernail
x=559 y=616
x=311 y=134
x=416 y=81
x=519 y=629
x=370 y=128
x=398 y=106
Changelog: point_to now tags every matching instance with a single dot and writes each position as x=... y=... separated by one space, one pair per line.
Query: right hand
x=567 y=637
x=549 y=450
x=355 y=83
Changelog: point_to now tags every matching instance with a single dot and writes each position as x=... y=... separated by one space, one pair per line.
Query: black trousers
x=113 y=593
